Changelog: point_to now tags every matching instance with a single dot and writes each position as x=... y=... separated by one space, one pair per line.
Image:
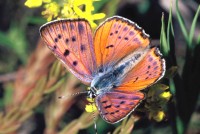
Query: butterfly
x=117 y=62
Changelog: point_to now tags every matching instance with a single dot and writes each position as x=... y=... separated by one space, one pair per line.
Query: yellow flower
x=68 y=12
x=159 y=116
x=87 y=14
x=166 y=95
x=35 y=3
x=91 y=107
x=52 y=11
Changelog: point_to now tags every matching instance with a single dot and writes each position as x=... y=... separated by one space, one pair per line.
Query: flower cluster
x=156 y=100
x=67 y=9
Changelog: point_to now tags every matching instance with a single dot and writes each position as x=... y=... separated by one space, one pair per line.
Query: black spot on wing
x=131 y=103
x=131 y=33
x=56 y=39
x=63 y=27
x=104 y=101
x=71 y=26
x=54 y=46
x=66 y=53
x=127 y=108
x=136 y=79
x=126 y=38
x=109 y=46
x=80 y=28
x=155 y=68
x=125 y=29
x=112 y=113
x=83 y=47
x=109 y=106
x=117 y=106
x=75 y=63
x=59 y=36
x=73 y=38
x=150 y=59
x=122 y=102
x=67 y=40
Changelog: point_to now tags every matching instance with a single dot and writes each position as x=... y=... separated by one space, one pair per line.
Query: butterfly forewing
x=115 y=105
x=71 y=41
x=116 y=38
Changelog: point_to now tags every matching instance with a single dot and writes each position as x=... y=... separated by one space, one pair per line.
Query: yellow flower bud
x=166 y=95
x=33 y=3
x=160 y=116
x=91 y=107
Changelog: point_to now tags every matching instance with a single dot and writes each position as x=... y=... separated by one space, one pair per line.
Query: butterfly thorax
x=114 y=75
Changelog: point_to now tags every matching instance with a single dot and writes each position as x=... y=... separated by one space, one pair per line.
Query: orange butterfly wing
x=115 y=38
x=71 y=41
x=114 y=106
x=145 y=73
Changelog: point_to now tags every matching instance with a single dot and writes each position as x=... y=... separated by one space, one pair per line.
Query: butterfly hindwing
x=71 y=41
x=149 y=70
x=115 y=105
x=116 y=38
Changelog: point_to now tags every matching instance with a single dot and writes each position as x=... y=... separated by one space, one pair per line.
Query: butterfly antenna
x=94 y=119
x=62 y=97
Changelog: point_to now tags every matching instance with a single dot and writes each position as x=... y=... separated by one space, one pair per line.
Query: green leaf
x=163 y=39
x=180 y=126
x=111 y=7
x=172 y=86
x=192 y=30
x=15 y=40
x=182 y=24
x=169 y=27
x=99 y=4
x=198 y=39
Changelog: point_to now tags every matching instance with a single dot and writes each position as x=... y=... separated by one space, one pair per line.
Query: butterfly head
x=92 y=93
